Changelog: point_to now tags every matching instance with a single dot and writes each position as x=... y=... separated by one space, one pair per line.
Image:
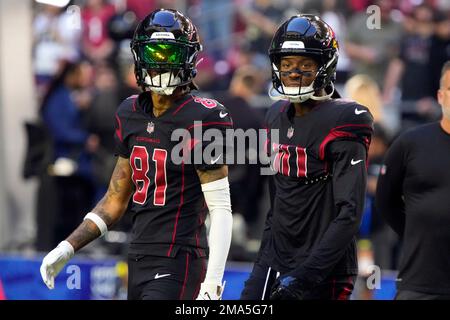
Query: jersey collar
x=144 y=104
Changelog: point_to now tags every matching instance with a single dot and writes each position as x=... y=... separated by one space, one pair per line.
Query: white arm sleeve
x=217 y=197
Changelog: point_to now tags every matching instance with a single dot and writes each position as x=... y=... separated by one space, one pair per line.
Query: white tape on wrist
x=98 y=222
x=67 y=248
x=216 y=185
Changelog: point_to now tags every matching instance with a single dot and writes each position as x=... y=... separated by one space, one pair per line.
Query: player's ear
x=440 y=96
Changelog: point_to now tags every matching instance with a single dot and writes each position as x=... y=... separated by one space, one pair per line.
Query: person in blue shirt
x=70 y=186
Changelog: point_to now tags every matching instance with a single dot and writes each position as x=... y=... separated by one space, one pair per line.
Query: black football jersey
x=319 y=188
x=168 y=204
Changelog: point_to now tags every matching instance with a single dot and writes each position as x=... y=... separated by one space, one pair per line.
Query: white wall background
x=17 y=104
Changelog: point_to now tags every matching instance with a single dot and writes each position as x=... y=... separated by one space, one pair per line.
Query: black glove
x=286 y=288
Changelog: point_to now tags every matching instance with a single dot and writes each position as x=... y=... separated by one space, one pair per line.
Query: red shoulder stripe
x=182 y=105
x=119 y=129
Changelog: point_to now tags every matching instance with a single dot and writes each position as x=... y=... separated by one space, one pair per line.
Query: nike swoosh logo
x=158 y=276
x=223 y=115
x=213 y=161
x=359 y=111
x=353 y=162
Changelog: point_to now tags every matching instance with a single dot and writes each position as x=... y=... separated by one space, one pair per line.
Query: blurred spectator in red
x=96 y=45
x=359 y=5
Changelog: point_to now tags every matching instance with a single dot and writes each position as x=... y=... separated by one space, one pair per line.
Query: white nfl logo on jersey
x=290 y=132
x=150 y=127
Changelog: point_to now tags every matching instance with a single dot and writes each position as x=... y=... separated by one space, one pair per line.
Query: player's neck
x=445 y=124
x=162 y=102
x=302 y=108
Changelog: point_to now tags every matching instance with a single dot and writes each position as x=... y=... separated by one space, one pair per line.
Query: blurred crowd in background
x=83 y=69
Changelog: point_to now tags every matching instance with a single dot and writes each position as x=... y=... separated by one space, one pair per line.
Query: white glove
x=211 y=291
x=54 y=261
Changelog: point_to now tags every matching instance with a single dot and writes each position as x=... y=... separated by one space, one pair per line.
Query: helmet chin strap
x=162 y=88
x=325 y=97
x=305 y=94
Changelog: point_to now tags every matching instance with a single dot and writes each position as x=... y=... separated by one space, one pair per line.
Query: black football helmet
x=304 y=35
x=165 y=46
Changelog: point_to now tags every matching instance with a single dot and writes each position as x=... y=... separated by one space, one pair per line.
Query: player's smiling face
x=297 y=71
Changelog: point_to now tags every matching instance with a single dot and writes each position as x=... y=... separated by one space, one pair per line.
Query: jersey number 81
x=139 y=161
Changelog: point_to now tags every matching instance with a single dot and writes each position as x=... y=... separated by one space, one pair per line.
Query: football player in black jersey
x=169 y=200
x=317 y=194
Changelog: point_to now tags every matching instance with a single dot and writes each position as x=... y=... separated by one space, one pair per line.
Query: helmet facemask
x=162 y=66
x=298 y=94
